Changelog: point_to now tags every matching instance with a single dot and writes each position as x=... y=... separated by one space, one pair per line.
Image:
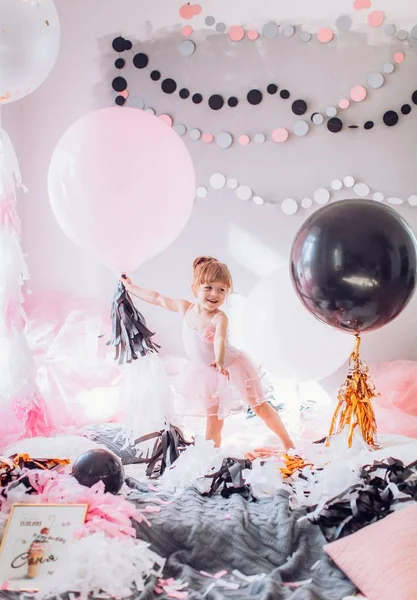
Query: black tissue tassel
x=381 y=487
x=230 y=479
x=130 y=336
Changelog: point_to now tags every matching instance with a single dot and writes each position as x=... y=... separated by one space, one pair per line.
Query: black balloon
x=99 y=465
x=353 y=264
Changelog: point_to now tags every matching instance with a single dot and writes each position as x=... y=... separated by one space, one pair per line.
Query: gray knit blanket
x=197 y=533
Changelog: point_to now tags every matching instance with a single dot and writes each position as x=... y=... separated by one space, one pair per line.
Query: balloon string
x=354 y=408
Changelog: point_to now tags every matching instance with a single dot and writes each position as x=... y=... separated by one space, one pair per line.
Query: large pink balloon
x=121 y=185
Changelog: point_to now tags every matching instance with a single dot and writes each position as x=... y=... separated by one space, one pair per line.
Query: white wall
x=251 y=239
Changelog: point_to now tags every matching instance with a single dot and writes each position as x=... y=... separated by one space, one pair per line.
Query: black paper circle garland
x=140 y=60
x=254 y=96
x=390 y=118
x=215 y=101
x=120 y=44
x=335 y=125
x=299 y=107
x=119 y=84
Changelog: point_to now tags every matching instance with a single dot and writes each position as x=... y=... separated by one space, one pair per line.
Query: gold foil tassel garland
x=354 y=409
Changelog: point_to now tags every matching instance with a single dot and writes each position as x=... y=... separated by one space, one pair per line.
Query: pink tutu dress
x=205 y=392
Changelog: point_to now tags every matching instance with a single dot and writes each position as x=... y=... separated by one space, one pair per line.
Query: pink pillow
x=381 y=559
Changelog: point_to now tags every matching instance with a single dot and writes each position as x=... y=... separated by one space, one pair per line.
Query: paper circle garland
x=299 y=107
x=236 y=33
x=376 y=80
x=305 y=36
x=201 y=192
x=270 y=30
x=186 y=48
x=348 y=181
x=390 y=118
x=321 y=196
x=358 y=93
x=300 y=128
x=224 y=139
x=195 y=134
x=217 y=181
x=334 y=125
x=361 y=189
x=289 y=206
x=243 y=192
x=325 y=35
x=376 y=18
x=254 y=97
x=280 y=135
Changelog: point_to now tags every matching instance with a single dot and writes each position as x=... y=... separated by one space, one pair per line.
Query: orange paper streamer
x=41 y=463
x=293 y=464
x=354 y=409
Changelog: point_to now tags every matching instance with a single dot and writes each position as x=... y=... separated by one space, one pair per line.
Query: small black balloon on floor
x=99 y=465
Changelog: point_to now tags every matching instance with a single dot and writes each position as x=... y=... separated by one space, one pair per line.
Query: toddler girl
x=220 y=379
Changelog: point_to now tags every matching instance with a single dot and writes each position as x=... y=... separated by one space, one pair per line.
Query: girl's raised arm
x=155 y=298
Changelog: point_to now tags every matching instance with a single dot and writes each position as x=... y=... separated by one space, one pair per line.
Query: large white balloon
x=29 y=45
x=282 y=335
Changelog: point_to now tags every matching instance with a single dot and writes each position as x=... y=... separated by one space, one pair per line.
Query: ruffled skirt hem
x=203 y=392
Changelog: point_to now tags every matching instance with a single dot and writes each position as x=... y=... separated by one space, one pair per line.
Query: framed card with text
x=36 y=541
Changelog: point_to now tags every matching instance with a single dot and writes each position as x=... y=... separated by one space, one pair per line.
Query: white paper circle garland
x=195 y=134
x=361 y=189
x=224 y=139
x=395 y=201
x=376 y=80
x=217 y=181
x=322 y=196
x=244 y=192
x=232 y=183
x=290 y=206
x=336 y=185
x=300 y=128
x=348 y=181
x=201 y=192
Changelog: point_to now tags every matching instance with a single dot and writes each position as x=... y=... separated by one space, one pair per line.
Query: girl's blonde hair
x=207 y=269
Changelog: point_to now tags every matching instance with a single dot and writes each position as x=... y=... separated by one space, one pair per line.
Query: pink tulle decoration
x=396 y=407
x=14 y=317
x=24 y=413
x=75 y=369
x=8 y=215
x=106 y=512
x=34 y=416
